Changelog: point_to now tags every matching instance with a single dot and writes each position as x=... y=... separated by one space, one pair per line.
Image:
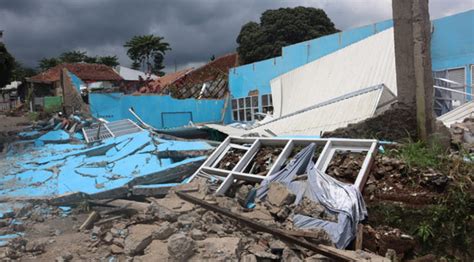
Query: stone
x=108 y=238
x=289 y=255
x=164 y=231
x=96 y=231
x=114 y=249
x=279 y=195
x=224 y=248
x=139 y=237
x=248 y=258
x=35 y=246
x=197 y=234
x=391 y=254
x=65 y=258
x=164 y=213
x=180 y=246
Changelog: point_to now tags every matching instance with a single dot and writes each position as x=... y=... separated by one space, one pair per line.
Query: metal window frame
x=330 y=147
x=245 y=108
x=111 y=129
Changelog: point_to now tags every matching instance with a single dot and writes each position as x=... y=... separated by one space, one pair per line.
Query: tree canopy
x=7 y=66
x=77 y=57
x=147 y=52
x=279 y=28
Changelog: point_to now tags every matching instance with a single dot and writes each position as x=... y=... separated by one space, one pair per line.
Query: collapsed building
x=156 y=196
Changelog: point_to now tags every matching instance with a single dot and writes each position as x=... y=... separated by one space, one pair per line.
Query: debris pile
x=462 y=134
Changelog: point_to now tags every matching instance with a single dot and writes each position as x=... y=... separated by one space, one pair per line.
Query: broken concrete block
x=248 y=258
x=164 y=231
x=108 y=238
x=35 y=246
x=197 y=234
x=139 y=237
x=65 y=258
x=228 y=248
x=164 y=213
x=114 y=249
x=289 y=255
x=278 y=195
x=180 y=246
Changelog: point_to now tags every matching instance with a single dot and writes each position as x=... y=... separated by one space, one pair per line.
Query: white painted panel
x=365 y=63
x=326 y=118
x=458 y=114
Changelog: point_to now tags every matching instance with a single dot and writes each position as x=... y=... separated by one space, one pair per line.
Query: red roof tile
x=86 y=72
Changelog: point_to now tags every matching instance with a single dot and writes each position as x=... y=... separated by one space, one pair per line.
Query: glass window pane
x=264 y=110
x=248 y=115
x=241 y=103
x=234 y=103
x=254 y=101
x=271 y=100
x=241 y=115
x=247 y=102
x=235 y=115
x=264 y=100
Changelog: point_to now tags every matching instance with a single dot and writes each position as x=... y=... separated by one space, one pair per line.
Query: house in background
x=207 y=81
x=183 y=98
x=133 y=79
x=46 y=86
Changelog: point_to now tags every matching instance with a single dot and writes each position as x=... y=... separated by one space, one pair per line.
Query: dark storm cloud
x=195 y=29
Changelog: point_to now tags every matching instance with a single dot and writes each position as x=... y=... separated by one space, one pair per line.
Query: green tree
x=73 y=56
x=148 y=51
x=111 y=61
x=21 y=72
x=47 y=63
x=77 y=57
x=7 y=66
x=279 y=28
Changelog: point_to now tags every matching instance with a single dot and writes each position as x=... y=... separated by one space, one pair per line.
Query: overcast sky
x=196 y=29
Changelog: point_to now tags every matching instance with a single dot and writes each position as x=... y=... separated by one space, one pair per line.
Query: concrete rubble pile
x=172 y=229
x=462 y=134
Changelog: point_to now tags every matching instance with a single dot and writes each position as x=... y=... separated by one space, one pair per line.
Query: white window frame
x=242 y=106
x=269 y=103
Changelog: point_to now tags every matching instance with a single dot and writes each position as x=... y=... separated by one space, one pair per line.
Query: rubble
x=139 y=237
x=180 y=247
x=280 y=195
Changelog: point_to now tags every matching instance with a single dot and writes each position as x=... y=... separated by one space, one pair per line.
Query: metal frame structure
x=252 y=146
x=111 y=129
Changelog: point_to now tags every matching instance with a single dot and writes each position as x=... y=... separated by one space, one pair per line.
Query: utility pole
x=412 y=29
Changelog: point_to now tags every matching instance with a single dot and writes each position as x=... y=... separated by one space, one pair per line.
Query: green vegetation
x=147 y=52
x=279 y=28
x=7 y=66
x=444 y=228
x=418 y=154
x=77 y=57
x=33 y=116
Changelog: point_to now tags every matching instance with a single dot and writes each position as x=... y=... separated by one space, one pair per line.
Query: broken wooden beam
x=321 y=249
x=94 y=216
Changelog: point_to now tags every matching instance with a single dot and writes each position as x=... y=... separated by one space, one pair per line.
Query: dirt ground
x=13 y=123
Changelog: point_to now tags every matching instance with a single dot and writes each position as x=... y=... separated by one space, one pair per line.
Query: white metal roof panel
x=458 y=114
x=365 y=63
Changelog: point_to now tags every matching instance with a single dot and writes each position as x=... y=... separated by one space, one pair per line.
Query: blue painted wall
x=452 y=46
x=452 y=43
x=257 y=75
x=158 y=111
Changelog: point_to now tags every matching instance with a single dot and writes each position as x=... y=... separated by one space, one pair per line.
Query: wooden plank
x=359 y=237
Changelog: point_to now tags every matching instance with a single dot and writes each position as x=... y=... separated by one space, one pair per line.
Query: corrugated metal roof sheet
x=366 y=63
x=458 y=114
